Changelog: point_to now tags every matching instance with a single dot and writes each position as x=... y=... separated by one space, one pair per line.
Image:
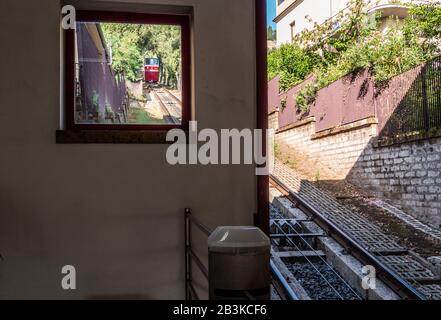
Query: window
x=128 y=71
x=292 y=25
x=151 y=62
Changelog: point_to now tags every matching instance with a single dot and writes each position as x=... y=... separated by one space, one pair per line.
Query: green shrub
x=291 y=63
x=331 y=54
x=384 y=54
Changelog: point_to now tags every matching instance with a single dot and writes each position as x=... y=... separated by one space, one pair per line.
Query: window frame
x=292 y=27
x=136 y=18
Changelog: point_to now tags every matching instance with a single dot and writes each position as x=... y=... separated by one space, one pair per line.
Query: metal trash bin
x=239 y=264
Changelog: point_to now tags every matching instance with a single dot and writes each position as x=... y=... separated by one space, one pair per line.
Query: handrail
x=196 y=222
x=190 y=255
x=199 y=263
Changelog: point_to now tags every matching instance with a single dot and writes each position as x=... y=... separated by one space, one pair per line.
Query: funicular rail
x=400 y=286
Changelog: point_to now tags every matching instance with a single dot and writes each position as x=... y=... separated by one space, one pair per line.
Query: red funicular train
x=152 y=70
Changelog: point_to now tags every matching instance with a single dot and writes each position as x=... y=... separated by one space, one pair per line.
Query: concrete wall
x=113 y=211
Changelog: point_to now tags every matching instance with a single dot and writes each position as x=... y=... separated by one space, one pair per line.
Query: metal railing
x=190 y=255
x=420 y=109
x=289 y=292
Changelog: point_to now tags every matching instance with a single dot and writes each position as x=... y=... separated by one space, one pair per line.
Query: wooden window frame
x=136 y=18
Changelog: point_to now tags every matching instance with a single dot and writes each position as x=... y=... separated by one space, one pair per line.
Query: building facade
x=291 y=14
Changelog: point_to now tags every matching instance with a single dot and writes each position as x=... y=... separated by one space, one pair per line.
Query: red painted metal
x=151 y=73
x=289 y=114
x=344 y=101
x=388 y=99
x=119 y=17
x=347 y=100
x=69 y=83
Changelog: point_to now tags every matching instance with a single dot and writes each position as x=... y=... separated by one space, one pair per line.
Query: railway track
x=170 y=105
x=302 y=266
x=297 y=253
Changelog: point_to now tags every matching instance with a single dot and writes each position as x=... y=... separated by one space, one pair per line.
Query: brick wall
x=406 y=173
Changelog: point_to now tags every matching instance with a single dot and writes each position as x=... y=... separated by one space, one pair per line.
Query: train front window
x=152 y=62
x=130 y=75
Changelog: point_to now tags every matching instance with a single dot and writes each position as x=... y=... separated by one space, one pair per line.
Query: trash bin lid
x=238 y=240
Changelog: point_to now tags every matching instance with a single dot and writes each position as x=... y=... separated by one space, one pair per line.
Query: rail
x=384 y=272
x=166 y=112
x=290 y=294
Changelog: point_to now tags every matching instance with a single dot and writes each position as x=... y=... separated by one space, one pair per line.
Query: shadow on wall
x=403 y=164
x=379 y=137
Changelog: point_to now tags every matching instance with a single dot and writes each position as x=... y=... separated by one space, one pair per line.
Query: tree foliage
x=425 y=22
x=291 y=63
x=131 y=43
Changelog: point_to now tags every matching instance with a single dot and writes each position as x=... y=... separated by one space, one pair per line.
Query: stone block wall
x=337 y=150
x=406 y=173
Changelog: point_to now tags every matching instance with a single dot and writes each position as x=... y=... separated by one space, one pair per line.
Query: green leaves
x=131 y=43
x=332 y=52
x=124 y=40
x=292 y=63
x=425 y=20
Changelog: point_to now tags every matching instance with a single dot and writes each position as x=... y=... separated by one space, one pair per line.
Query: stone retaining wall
x=406 y=173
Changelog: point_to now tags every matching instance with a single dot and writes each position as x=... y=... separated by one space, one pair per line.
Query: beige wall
x=319 y=11
x=113 y=211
